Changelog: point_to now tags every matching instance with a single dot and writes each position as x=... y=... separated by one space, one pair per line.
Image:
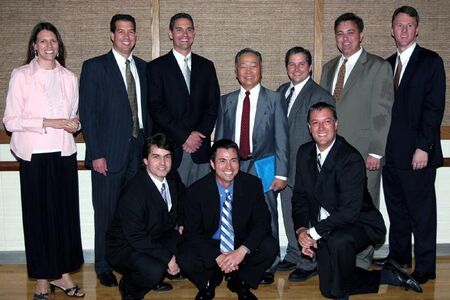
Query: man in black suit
x=142 y=239
x=183 y=99
x=223 y=202
x=333 y=213
x=300 y=93
x=413 y=151
x=113 y=109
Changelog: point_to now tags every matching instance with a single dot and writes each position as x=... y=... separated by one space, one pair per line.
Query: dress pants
x=198 y=261
x=411 y=205
x=140 y=270
x=336 y=256
x=271 y=200
x=293 y=254
x=105 y=193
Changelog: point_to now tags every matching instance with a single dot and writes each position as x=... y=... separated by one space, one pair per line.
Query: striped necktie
x=226 y=227
x=319 y=164
x=131 y=90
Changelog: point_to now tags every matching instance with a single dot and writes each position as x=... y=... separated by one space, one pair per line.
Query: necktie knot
x=247 y=93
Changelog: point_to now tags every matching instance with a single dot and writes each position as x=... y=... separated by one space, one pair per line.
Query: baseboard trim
x=18 y=257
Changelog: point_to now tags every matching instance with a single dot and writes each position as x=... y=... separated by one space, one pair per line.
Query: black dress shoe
x=267 y=278
x=242 y=289
x=162 y=287
x=107 y=279
x=422 y=278
x=402 y=278
x=125 y=292
x=302 y=275
x=285 y=265
x=207 y=293
x=379 y=262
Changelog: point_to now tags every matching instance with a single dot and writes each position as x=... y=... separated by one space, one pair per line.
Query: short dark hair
x=245 y=51
x=61 y=56
x=159 y=140
x=181 y=15
x=322 y=105
x=121 y=17
x=409 y=10
x=222 y=144
x=297 y=50
x=349 y=17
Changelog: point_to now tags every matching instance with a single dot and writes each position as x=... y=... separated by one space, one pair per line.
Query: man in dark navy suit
x=113 y=109
x=413 y=150
x=183 y=98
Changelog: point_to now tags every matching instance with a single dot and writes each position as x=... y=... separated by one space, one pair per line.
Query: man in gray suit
x=364 y=96
x=301 y=92
x=361 y=84
x=255 y=118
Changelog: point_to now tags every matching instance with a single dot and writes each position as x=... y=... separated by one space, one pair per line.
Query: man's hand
x=172 y=266
x=229 y=262
x=180 y=230
x=307 y=242
x=372 y=163
x=420 y=159
x=193 y=142
x=99 y=165
x=277 y=184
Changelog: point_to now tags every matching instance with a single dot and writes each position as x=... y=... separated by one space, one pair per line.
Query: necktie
x=288 y=98
x=319 y=164
x=398 y=71
x=131 y=89
x=339 y=82
x=187 y=74
x=163 y=192
x=226 y=227
x=244 y=141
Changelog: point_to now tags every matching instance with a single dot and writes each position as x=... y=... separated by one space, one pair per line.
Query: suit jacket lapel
x=355 y=74
x=114 y=70
x=330 y=77
x=261 y=108
x=173 y=64
x=305 y=93
x=230 y=114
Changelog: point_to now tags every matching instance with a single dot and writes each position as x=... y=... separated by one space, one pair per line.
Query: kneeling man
x=142 y=240
x=333 y=213
x=226 y=227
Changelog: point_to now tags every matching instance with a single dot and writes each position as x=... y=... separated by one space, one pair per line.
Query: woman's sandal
x=71 y=292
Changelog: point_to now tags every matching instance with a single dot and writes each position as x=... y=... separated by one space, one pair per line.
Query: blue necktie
x=226 y=227
x=163 y=192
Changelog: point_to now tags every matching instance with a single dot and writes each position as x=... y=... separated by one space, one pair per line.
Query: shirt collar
x=157 y=182
x=353 y=58
x=120 y=59
x=254 y=91
x=324 y=153
x=405 y=55
x=300 y=85
x=180 y=56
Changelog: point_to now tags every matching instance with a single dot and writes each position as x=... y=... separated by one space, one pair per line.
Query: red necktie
x=244 y=141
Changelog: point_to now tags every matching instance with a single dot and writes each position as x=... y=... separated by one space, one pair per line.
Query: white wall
x=11 y=235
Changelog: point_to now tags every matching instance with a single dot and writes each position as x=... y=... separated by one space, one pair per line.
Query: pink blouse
x=27 y=105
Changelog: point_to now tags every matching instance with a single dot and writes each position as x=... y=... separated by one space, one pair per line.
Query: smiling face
x=298 y=68
x=158 y=162
x=404 y=30
x=248 y=70
x=182 y=35
x=225 y=165
x=323 y=127
x=348 y=38
x=124 y=38
x=47 y=47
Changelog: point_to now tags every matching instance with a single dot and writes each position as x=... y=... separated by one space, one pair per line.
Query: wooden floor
x=14 y=284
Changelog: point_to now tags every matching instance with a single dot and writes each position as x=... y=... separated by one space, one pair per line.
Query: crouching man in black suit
x=333 y=213
x=227 y=227
x=142 y=240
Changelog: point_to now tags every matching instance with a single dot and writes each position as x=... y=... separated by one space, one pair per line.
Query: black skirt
x=51 y=215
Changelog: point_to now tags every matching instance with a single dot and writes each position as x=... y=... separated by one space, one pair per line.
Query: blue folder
x=265 y=169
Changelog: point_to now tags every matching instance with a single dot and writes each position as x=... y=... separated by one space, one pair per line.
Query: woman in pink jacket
x=41 y=113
